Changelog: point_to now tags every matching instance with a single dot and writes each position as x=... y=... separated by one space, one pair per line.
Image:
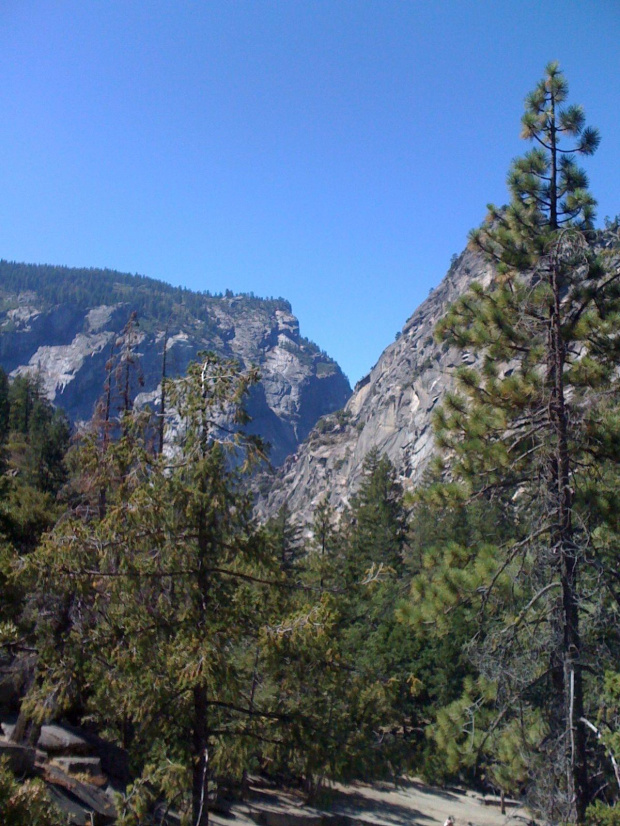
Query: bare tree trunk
x=200 y=779
x=564 y=547
x=200 y=773
x=107 y=407
x=244 y=777
x=26 y=732
x=162 y=398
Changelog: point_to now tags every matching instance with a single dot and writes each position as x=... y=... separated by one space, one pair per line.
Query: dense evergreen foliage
x=158 y=591
x=534 y=432
x=466 y=632
x=34 y=439
x=86 y=288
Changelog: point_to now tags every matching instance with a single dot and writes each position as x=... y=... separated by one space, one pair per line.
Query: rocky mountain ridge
x=390 y=410
x=64 y=324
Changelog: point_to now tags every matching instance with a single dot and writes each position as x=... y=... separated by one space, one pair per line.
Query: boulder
x=81 y=765
x=57 y=739
x=20 y=758
x=83 y=802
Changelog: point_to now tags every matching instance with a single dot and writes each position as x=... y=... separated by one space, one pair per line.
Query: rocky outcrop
x=390 y=409
x=61 y=335
x=76 y=768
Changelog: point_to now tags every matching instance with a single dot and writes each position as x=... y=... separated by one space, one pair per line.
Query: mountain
x=64 y=324
x=390 y=409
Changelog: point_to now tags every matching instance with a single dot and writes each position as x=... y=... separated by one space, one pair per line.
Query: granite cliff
x=390 y=409
x=63 y=324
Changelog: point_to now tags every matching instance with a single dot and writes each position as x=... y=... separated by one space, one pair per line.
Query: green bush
x=25 y=804
x=600 y=814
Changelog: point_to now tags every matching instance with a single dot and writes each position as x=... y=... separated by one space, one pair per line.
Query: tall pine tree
x=529 y=427
x=166 y=591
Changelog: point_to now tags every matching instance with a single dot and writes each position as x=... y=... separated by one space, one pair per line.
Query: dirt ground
x=412 y=803
x=415 y=802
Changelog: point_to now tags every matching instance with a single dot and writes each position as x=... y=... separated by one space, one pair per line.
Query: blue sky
x=334 y=152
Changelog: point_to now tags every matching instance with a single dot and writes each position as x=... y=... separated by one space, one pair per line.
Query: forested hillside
x=465 y=630
x=86 y=288
x=72 y=328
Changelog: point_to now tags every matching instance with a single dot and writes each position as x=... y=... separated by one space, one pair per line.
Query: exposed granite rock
x=390 y=409
x=80 y=765
x=69 y=344
x=82 y=803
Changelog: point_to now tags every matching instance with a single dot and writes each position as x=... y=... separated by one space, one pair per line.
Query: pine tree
x=167 y=591
x=529 y=428
x=340 y=659
x=374 y=547
x=378 y=518
x=285 y=538
x=4 y=406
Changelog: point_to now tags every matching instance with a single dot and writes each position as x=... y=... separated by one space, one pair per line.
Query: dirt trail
x=415 y=802
x=412 y=803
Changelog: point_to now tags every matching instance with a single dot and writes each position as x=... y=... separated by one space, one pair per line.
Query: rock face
x=390 y=409
x=64 y=325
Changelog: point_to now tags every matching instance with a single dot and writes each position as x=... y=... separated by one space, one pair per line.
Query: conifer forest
x=465 y=630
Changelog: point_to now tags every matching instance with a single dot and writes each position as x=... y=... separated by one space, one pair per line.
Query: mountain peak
x=64 y=325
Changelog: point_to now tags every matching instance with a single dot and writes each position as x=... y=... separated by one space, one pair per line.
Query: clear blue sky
x=334 y=152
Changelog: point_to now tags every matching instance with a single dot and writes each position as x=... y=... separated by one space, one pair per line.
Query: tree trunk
x=200 y=774
x=162 y=398
x=244 y=776
x=26 y=732
x=564 y=547
x=200 y=780
x=106 y=428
